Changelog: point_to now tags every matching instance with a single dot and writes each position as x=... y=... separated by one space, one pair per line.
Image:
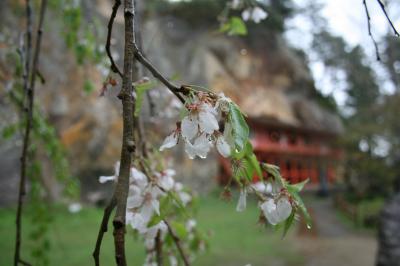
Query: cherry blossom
x=199 y=129
x=104 y=179
x=223 y=147
x=276 y=211
x=165 y=179
x=241 y=206
x=255 y=14
x=171 y=140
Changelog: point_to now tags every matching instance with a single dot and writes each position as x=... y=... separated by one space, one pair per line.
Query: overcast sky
x=345 y=18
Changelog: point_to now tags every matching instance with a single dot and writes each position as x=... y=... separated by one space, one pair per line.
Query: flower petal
x=104 y=179
x=134 y=201
x=284 y=208
x=208 y=122
x=202 y=146
x=170 y=141
x=258 y=14
x=223 y=147
x=241 y=206
x=270 y=211
x=189 y=127
x=246 y=14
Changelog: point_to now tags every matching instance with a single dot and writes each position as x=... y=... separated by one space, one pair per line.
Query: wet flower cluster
x=254 y=13
x=199 y=128
x=274 y=202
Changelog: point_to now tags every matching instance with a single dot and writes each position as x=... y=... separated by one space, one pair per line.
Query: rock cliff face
x=260 y=72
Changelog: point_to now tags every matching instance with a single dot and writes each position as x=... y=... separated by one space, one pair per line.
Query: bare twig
x=369 y=31
x=159 y=250
x=173 y=88
x=126 y=96
x=114 y=66
x=29 y=91
x=177 y=242
x=103 y=229
x=382 y=5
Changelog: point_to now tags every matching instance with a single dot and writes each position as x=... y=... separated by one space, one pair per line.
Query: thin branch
x=158 y=244
x=173 y=88
x=369 y=31
x=114 y=66
x=177 y=242
x=29 y=88
x=382 y=5
x=126 y=96
x=103 y=229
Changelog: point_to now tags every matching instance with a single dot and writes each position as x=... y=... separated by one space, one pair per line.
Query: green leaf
x=288 y=223
x=179 y=229
x=9 y=131
x=303 y=209
x=234 y=26
x=240 y=129
x=140 y=90
x=298 y=186
x=252 y=159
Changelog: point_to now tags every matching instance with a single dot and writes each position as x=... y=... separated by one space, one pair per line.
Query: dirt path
x=332 y=243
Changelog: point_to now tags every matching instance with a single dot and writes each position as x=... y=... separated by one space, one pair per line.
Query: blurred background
x=319 y=103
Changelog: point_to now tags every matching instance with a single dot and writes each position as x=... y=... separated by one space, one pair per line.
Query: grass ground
x=236 y=239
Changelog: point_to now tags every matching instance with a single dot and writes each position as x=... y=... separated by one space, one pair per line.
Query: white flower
x=258 y=14
x=190 y=224
x=223 y=147
x=202 y=117
x=254 y=13
x=136 y=221
x=138 y=178
x=207 y=121
x=170 y=141
x=104 y=179
x=165 y=179
x=184 y=197
x=246 y=14
x=261 y=187
x=241 y=206
x=147 y=201
x=276 y=212
x=200 y=148
x=189 y=127
x=75 y=207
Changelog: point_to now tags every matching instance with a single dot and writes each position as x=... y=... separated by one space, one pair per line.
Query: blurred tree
x=368 y=174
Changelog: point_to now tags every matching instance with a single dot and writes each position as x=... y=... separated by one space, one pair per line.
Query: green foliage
x=140 y=93
x=240 y=129
x=234 y=26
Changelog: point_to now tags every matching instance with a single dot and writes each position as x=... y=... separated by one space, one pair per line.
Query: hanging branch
x=369 y=31
x=29 y=89
x=158 y=245
x=126 y=96
x=114 y=66
x=103 y=229
x=382 y=5
x=177 y=242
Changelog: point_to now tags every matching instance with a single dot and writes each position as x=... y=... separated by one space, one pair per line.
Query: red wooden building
x=300 y=152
